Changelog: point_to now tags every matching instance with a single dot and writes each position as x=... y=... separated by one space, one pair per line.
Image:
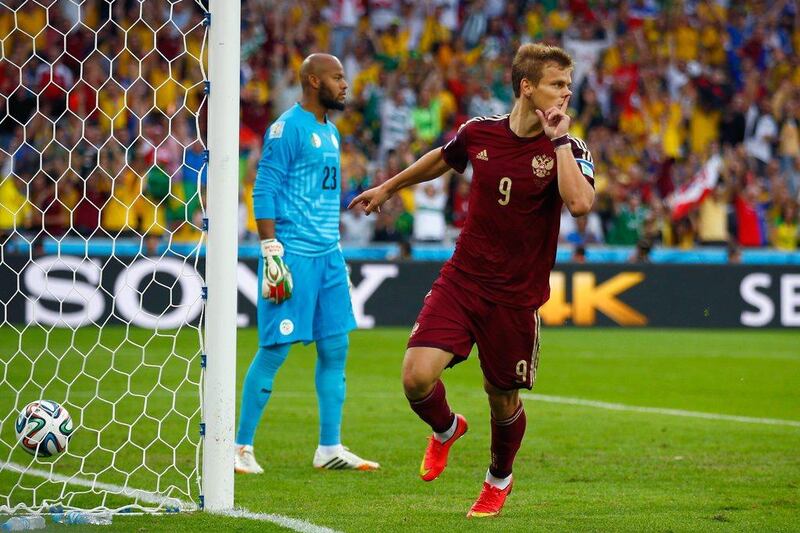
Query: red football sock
x=506 y=438
x=433 y=409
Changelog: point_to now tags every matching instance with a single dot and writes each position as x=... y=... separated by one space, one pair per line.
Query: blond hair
x=530 y=60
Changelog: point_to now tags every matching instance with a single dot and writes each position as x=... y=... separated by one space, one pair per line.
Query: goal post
x=119 y=188
x=223 y=201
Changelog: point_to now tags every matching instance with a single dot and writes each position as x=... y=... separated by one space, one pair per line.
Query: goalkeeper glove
x=276 y=285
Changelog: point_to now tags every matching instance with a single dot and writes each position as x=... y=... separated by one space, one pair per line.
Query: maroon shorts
x=453 y=319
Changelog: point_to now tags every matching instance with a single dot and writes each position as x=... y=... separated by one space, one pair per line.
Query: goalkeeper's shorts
x=319 y=307
x=453 y=319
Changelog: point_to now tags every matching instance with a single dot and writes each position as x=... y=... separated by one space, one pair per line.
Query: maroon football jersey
x=507 y=247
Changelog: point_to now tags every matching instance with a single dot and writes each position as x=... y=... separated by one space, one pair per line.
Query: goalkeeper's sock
x=328 y=451
x=330 y=381
x=506 y=439
x=258 y=388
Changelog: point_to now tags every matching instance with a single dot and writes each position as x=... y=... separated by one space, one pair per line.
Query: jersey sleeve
x=583 y=157
x=455 y=152
x=280 y=148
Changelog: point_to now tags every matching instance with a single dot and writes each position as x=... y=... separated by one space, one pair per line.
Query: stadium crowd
x=660 y=90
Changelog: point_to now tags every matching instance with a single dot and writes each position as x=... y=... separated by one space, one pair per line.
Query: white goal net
x=102 y=179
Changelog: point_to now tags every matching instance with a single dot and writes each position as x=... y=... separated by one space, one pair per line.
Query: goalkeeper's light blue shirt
x=298 y=183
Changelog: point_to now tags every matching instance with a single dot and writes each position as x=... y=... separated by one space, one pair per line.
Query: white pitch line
x=138 y=494
x=287 y=522
x=294 y=524
x=660 y=410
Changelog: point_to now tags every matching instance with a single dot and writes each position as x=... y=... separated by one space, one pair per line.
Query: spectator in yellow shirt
x=786 y=233
x=560 y=19
x=14 y=207
x=687 y=40
x=123 y=188
x=393 y=43
x=433 y=31
x=31 y=18
x=112 y=104
x=712 y=218
x=703 y=129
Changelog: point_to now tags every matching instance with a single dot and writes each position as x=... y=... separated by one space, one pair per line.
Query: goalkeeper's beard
x=328 y=100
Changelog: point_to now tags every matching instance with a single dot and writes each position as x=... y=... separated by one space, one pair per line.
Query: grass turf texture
x=579 y=468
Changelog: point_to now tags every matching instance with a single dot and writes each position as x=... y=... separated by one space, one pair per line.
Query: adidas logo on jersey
x=482 y=155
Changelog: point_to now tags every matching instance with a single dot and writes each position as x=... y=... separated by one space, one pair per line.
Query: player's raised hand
x=371 y=200
x=555 y=120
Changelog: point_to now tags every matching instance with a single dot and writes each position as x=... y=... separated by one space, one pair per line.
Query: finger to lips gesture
x=555 y=120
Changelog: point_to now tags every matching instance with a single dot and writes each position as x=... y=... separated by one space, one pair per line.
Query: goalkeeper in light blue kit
x=302 y=273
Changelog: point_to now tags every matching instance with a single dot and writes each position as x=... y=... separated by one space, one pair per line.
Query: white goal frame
x=208 y=470
x=219 y=382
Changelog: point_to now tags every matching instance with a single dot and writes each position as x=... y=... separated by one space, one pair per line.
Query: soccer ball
x=44 y=428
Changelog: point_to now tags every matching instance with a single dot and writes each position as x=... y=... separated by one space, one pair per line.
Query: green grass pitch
x=580 y=468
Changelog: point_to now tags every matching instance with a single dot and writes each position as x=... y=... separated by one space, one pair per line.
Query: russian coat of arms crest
x=542 y=165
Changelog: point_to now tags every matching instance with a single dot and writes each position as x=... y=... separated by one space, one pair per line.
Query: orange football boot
x=490 y=501
x=435 y=458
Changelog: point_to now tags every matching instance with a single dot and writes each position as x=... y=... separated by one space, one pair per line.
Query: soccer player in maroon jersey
x=525 y=167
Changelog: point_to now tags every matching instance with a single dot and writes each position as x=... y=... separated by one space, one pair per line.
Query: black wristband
x=560 y=141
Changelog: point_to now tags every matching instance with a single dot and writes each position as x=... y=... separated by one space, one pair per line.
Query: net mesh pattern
x=103 y=165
